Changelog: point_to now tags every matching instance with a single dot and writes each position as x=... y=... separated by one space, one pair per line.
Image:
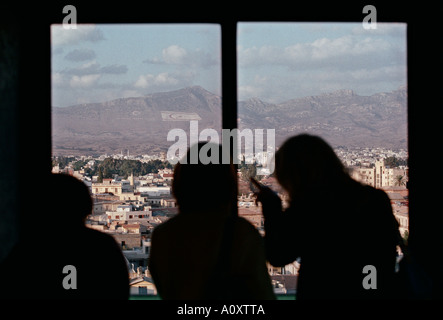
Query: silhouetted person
x=334 y=224
x=55 y=239
x=206 y=251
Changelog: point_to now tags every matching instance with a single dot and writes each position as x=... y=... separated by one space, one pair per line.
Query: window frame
x=426 y=223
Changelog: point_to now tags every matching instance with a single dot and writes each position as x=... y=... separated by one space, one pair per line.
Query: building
x=380 y=176
x=168 y=203
x=364 y=175
x=101 y=206
x=284 y=283
x=399 y=197
x=107 y=186
x=402 y=217
x=142 y=285
x=154 y=191
x=127 y=240
x=134 y=228
x=138 y=256
x=124 y=213
x=133 y=196
x=253 y=216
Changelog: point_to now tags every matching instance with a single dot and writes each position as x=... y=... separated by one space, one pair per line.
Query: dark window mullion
x=229 y=74
x=229 y=85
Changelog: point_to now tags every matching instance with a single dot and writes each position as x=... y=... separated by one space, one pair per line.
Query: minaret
x=131 y=179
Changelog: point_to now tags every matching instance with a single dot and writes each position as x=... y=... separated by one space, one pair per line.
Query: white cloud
x=84 y=81
x=317 y=54
x=277 y=88
x=84 y=32
x=150 y=80
x=365 y=63
x=178 y=56
x=92 y=67
x=174 y=54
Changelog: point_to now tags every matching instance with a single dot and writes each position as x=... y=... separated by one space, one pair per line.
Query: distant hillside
x=341 y=117
x=136 y=124
x=141 y=124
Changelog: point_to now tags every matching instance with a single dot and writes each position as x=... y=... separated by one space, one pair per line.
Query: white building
x=155 y=191
x=380 y=175
x=124 y=214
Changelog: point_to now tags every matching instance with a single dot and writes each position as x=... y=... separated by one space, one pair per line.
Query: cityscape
x=112 y=114
x=129 y=205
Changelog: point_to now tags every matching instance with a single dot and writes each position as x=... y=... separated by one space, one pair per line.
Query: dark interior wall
x=9 y=61
x=25 y=130
x=425 y=124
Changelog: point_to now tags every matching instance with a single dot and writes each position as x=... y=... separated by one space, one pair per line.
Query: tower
x=131 y=179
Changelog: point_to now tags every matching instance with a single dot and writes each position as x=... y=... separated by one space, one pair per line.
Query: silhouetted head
x=202 y=182
x=71 y=201
x=306 y=163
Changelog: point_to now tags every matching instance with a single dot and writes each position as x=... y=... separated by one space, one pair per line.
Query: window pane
x=115 y=86
x=336 y=80
x=339 y=81
x=117 y=93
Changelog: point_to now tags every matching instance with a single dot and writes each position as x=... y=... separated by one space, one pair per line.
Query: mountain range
x=141 y=124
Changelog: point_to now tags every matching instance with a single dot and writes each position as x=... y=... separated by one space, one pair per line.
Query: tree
x=100 y=175
x=399 y=180
x=78 y=165
x=248 y=171
x=391 y=162
x=107 y=173
x=394 y=162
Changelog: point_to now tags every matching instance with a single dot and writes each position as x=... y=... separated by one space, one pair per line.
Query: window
x=336 y=80
x=117 y=106
x=279 y=66
x=106 y=101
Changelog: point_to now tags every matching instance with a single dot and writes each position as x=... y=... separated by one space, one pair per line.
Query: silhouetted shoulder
x=246 y=239
x=170 y=223
x=101 y=266
x=245 y=227
x=377 y=198
x=99 y=237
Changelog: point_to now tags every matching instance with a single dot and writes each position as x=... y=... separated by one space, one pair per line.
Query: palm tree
x=399 y=180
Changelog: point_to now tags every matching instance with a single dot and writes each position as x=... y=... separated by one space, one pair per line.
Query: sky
x=276 y=61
